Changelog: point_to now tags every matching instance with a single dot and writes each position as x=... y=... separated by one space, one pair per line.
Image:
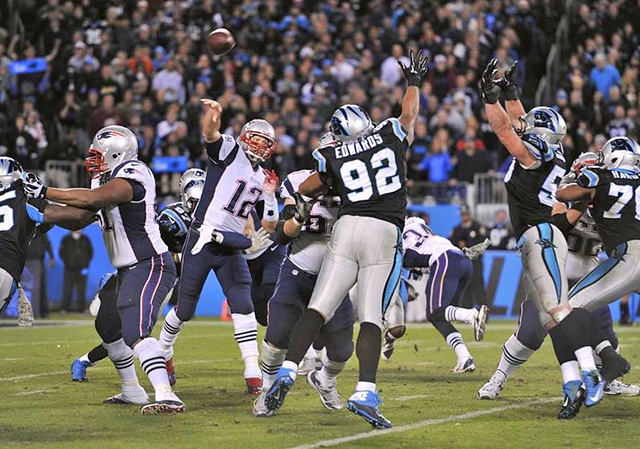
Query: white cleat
x=617 y=387
x=387 y=349
x=492 y=389
x=170 y=403
x=329 y=395
x=479 y=324
x=464 y=367
x=308 y=365
x=260 y=409
x=135 y=395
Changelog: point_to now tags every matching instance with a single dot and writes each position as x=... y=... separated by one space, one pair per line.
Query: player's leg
x=337 y=275
x=394 y=322
x=463 y=269
x=8 y=287
x=141 y=291
x=520 y=346
x=337 y=338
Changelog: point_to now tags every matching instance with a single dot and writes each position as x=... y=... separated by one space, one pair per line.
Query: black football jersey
x=616 y=204
x=19 y=218
x=369 y=176
x=531 y=193
x=174 y=223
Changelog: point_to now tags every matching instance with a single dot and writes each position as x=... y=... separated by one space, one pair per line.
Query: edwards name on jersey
x=19 y=217
x=131 y=231
x=616 y=204
x=369 y=175
x=532 y=192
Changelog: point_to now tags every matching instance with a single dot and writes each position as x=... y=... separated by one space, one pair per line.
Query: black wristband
x=44 y=192
x=414 y=81
x=562 y=223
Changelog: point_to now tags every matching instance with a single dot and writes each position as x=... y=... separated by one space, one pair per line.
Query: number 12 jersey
x=369 y=175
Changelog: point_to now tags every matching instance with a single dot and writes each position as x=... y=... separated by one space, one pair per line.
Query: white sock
x=272 y=359
x=514 y=354
x=122 y=357
x=85 y=358
x=366 y=386
x=602 y=345
x=570 y=371
x=152 y=360
x=330 y=369
x=452 y=313
x=585 y=358
x=288 y=364
x=311 y=353
x=246 y=335
x=170 y=331
x=455 y=340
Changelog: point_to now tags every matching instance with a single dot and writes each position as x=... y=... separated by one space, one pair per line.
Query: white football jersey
x=307 y=250
x=131 y=231
x=416 y=237
x=232 y=188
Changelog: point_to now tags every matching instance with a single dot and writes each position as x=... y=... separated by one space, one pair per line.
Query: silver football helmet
x=191 y=187
x=10 y=172
x=620 y=152
x=350 y=123
x=327 y=139
x=420 y=222
x=546 y=122
x=111 y=146
x=258 y=140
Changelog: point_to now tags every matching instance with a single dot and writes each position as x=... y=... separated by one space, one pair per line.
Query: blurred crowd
x=145 y=64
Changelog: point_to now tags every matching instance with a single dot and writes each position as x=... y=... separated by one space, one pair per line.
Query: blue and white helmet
x=191 y=187
x=620 y=152
x=350 y=123
x=546 y=122
x=10 y=172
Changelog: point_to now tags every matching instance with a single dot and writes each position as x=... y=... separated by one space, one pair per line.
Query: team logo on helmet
x=543 y=120
x=621 y=145
x=107 y=134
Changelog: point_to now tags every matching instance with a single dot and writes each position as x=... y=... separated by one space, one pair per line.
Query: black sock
x=98 y=353
x=303 y=335
x=576 y=328
x=444 y=327
x=368 y=349
x=561 y=346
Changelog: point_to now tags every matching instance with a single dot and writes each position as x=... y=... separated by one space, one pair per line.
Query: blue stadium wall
x=502 y=271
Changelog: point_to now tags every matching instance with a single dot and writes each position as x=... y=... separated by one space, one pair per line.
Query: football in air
x=220 y=41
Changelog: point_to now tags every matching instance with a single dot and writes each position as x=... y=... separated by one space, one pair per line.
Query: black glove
x=303 y=209
x=488 y=89
x=33 y=186
x=508 y=83
x=417 y=70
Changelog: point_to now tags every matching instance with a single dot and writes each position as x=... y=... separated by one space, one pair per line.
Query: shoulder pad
x=394 y=125
x=538 y=147
x=134 y=170
x=292 y=182
x=589 y=178
x=320 y=156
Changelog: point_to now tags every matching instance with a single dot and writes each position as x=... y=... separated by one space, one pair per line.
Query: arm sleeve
x=322 y=165
x=35 y=210
x=413 y=259
x=137 y=174
x=589 y=178
x=288 y=212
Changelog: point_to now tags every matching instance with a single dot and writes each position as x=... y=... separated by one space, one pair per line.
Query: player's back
x=18 y=220
x=174 y=222
x=531 y=192
x=419 y=238
x=616 y=204
x=131 y=231
x=369 y=175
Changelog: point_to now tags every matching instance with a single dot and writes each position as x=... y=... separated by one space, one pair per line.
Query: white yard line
x=408 y=398
x=425 y=423
x=29 y=393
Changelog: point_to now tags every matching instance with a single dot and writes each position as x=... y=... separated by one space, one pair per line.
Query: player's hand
x=489 y=90
x=270 y=182
x=33 y=186
x=475 y=251
x=585 y=160
x=508 y=83
x=211 y=120
x=418 y=68
x=259 y=240
x=303 y=209
x=412 y=293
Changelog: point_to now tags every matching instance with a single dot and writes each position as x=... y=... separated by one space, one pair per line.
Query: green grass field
x=42 y=408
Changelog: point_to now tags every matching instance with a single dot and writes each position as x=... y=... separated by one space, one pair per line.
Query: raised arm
x=512 y=102
x=211 y=121
x=417 y=70
x=68 y=217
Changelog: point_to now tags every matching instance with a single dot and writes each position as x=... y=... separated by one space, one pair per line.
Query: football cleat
x=388 y=348
x=278 y=391
x=254 y=385
x=329 y=395
x=132 y=395
x=492 y=389
x=617 y=387
x=464 y=367
x=166 y=406
x=79 y=370
x=365 y=404
x=171 y=372
x=594 y=386
x=260 y=409
x=573 y=398
x=479 y=324
x=614 y=367
x=308 y=365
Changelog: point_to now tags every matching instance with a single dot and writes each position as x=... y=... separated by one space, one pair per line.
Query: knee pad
x=397 y=331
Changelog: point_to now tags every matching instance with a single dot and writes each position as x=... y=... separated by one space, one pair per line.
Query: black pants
x=74 y=279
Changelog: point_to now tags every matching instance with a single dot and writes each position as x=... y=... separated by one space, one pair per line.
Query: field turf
x=429 y=406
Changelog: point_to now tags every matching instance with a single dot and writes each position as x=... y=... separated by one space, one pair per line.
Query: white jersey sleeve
x=292 y=182
x=220 y=151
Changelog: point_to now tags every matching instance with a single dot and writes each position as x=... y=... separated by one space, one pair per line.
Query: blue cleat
x=365 y=404
x=281 y=386
x=79 y=370
x=594 y=386
x=573 y=398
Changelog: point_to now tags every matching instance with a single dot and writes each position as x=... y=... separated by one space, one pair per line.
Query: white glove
x=259 y=240
x=25 y=312
x=94 y=307
x=206 y=235
x=33 y=186
x=476 y=251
